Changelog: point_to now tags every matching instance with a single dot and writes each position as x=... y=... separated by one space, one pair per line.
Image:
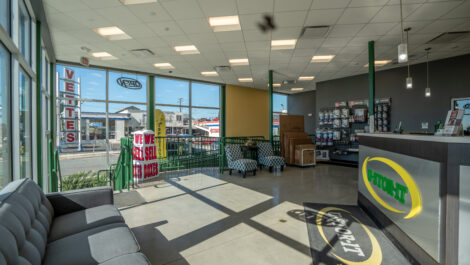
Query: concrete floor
x=199 y=217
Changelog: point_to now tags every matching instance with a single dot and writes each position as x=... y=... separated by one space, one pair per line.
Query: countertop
x=429 y=138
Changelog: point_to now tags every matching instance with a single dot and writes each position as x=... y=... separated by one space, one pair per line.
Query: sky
x=167 y=91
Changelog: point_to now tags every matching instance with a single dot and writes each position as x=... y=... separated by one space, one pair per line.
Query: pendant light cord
x=408 y=47
x=427 y=68
x=401 y=19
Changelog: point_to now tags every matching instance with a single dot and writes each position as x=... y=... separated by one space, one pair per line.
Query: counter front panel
x=406 y=190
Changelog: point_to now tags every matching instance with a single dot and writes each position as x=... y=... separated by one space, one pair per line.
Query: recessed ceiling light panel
x=134 y=2
x=186 y=49
x=163 y=66
x=283 y=44
x=209 y=73
x=103 y=55
x=112 y=33
x=306 y=78
x=297 y=89
x=322 y=58
x=245 y=80
x=227 y=23
x=379 y=63
x=238 y=62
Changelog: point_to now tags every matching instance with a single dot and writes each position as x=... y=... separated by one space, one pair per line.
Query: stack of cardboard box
x=292 y=134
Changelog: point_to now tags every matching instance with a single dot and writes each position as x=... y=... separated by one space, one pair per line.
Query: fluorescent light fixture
x=134 y=2
x=209 y=73
x=379 y=63
x=112 y=33
x=306 y=78
x=245 y=80
x=103 y=55
x=283 y=44
x=163 y=66
x=297 y=89
x=237 y=62
x=402 y=53
x=186 y=49
x=322 y=58
x=227 y=23
x=409 y=82
x=427 y=92
x=274 y=85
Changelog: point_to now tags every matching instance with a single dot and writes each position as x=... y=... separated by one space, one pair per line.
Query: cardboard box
x=305 y=154
x=289 y=123
x=285 y=141
x=293 y=142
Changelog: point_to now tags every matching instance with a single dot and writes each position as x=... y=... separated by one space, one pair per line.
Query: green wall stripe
x=151 y=103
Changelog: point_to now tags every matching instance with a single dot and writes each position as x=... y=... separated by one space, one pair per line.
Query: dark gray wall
x=303 y=104
x=448 y=78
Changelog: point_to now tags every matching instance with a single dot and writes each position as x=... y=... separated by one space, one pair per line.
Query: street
x=84 y=162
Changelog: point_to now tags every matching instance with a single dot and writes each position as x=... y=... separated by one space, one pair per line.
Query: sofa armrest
x=76 y=200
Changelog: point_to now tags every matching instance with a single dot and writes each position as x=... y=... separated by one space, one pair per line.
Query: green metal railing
x=182 y=152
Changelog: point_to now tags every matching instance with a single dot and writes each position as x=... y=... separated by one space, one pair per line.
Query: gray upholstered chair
x=236 y=161
x=267 y=158
x=68 y=228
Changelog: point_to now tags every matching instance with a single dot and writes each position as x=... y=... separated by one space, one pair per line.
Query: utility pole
x=180 y=100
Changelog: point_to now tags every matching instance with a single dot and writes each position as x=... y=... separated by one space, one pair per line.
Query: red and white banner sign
x=69 y=118
x=145 y=155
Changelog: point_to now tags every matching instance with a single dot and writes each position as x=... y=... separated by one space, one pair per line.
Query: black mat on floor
x=342 y=234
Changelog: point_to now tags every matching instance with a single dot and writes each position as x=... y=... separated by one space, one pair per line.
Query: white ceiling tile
x=258 y=6
x=358 y=15
x=232 y=46
x=258 y=54
x=202 y=38
x=345 y=30
x=138 y=31
x=250 y=21
x=67 y=5
x=440 y=26
x=229 y=36
x=257 y=45
x=415 y=26
x=100 y=4
x=256 y=35
x=152 y=41
x=361 y=3
x=165 y=28
x=392 y=13
x=305 y=54
x=261 y=60
x=323 y=17
x=290 y=19
x=178 y=40
x=308 y=43
x=149 y=12
x=376 y=29
x=89 y=18
x=217 y=8
x=286 y=33
x=235 y=54
x=405 y=2
x=119 y=15
x=362 y=41
x=291 y=5
x=64 y=22
x=183 y=9
x=336 y=42
x=330 y=4
x=430 y=11
x=197 y=25
x=461 y=11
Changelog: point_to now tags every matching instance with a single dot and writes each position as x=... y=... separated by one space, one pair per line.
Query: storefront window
x=92 y=82
x=205 y=95
x=177 y=120
x=25 y=125
x=25 y=32
x=171 y=92
x=125 y=119
x=5 y=126
x=127 y=87
x=279 y=108
x=5 y=14
x=205 y=122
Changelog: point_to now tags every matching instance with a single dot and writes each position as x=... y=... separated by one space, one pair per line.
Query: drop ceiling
x=160 y=26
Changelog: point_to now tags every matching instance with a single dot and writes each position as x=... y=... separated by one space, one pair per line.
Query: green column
x=371 y=79
x=38 y=104
x=53 y=181
x=271 y=105
x=222 y=111
x=151 y=103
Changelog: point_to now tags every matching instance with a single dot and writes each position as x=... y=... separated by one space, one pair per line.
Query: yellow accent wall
x=247 y=111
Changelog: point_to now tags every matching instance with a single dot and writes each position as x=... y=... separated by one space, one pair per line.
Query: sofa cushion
x=93 y=246
x=25 y=218
x=80 y=221
x=129 y=259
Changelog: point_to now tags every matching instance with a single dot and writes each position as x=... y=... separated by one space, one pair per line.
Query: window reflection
x=5 y=126
x=25 y=125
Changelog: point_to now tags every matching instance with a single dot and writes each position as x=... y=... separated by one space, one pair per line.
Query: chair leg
x=282 y=168
x=230 y=172
x=271 y=169
x=244 y=174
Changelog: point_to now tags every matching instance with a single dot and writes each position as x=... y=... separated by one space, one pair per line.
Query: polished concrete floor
x=199 y=217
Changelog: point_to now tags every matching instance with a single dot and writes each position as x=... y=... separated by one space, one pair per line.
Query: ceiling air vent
x=314 y=32
x=222 y=68
x=449 y=37
x=289 y=82
x=141 y=52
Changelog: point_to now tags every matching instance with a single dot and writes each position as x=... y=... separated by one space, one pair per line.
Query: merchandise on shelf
x=336 y=113
x=344 y=123
x=360 y=115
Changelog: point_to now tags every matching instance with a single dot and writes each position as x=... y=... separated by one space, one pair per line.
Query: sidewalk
x=65 y=156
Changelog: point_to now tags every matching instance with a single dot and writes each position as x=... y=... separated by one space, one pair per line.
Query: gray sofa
x=70 y=228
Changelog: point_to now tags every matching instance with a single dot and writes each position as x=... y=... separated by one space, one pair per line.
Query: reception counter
x=418 y=188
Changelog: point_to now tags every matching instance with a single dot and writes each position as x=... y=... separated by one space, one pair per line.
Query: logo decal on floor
x=335 y=223
x=392 y=188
